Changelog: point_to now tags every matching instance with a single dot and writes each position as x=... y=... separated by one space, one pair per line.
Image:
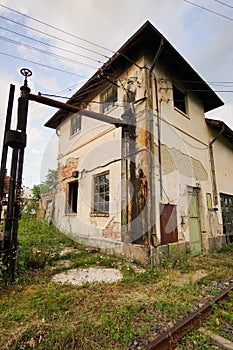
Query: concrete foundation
x=170 y=252
x=216 y=242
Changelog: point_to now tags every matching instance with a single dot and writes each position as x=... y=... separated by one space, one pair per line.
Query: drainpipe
x=214 y=181
x=151 y=209
x=155 y=61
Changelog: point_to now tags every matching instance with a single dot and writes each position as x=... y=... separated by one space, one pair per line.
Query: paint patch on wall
x=173 y=159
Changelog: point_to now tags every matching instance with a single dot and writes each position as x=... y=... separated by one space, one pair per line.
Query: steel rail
x=169 y=339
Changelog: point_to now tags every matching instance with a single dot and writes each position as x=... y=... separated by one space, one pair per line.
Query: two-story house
x=144 y=186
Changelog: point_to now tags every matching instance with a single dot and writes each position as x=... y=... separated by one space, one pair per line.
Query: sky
x=64 y=42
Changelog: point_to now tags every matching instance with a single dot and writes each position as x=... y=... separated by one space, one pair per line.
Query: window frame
x=74 y=129
x=179 y=100
x=96 y=204
x=108 y=98
x=71 y=199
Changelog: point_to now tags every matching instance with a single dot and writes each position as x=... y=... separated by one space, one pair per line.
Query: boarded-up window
x=168 y=223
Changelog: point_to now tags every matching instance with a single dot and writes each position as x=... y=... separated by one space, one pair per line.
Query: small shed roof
x=219 y=125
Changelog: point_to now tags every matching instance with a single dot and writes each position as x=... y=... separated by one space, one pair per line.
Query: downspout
x=155 y=61
x=214 y=181
x=151 y=204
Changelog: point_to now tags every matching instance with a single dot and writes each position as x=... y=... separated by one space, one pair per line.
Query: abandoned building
x=155 y=178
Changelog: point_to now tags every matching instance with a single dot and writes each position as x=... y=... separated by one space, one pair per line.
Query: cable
x=50 y=45
x=223 y=3
x=42 y=65
x=58 y=29
x=52 y=36
x=41 y=109
x=206 y=9
x=72 y=35
x=196 y=90
x=47 y=52
x=162 y=118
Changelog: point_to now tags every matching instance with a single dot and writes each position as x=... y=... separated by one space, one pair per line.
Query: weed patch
x=39 y=314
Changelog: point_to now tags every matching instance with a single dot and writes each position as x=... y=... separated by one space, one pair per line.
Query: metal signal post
x=16 y=139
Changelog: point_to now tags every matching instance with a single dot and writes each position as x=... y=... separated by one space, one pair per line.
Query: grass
x=37 y=313
x=222 y=316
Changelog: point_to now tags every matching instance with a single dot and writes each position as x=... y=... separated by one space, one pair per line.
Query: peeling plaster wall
x=185 y=158
x=223 y=161
x=87 y=160
x=184 y=154
x=94 y=149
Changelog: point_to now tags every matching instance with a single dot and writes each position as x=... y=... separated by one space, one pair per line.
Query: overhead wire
x=47 y=52
x=50 y=45
x=41 y=64
x=223 y=3
x=58 y=39
x=58 y=29
x=42 y=108
x=72 y=35
x=53 y=36
x=209 y=10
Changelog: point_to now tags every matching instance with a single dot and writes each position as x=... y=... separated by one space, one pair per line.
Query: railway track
x=168 y=340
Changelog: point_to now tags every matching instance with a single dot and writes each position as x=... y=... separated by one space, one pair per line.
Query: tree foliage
x=50 y=183
x=36 y=192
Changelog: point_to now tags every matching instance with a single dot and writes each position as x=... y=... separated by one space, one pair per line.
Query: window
x=101 y=194
x=108 y=98
x=75 y=124
x=72 y=200
x=179 y=99
x=227 y=216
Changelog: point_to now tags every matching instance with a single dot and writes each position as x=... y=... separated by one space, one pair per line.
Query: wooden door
x=168 y=223
x=194 y=223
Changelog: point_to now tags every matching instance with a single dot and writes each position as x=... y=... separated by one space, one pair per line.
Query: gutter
x=155 y=61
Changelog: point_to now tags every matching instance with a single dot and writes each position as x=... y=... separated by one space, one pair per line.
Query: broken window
x=108 y=98
x=75 y=124
x=179 y=99
x=72 y=200
x=101 y=194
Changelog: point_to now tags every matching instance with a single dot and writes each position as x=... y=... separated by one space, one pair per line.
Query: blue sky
x=204 y=39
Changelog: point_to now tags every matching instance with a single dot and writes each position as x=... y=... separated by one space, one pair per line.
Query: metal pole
x=8 y=246
x=74 y=109
x=16 y=139
x=22 y=124
x=15 y=222
x=4 y=146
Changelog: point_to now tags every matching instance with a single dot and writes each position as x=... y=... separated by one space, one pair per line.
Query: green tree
x=36 y=192
x=30 y=206
x=50 y=182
